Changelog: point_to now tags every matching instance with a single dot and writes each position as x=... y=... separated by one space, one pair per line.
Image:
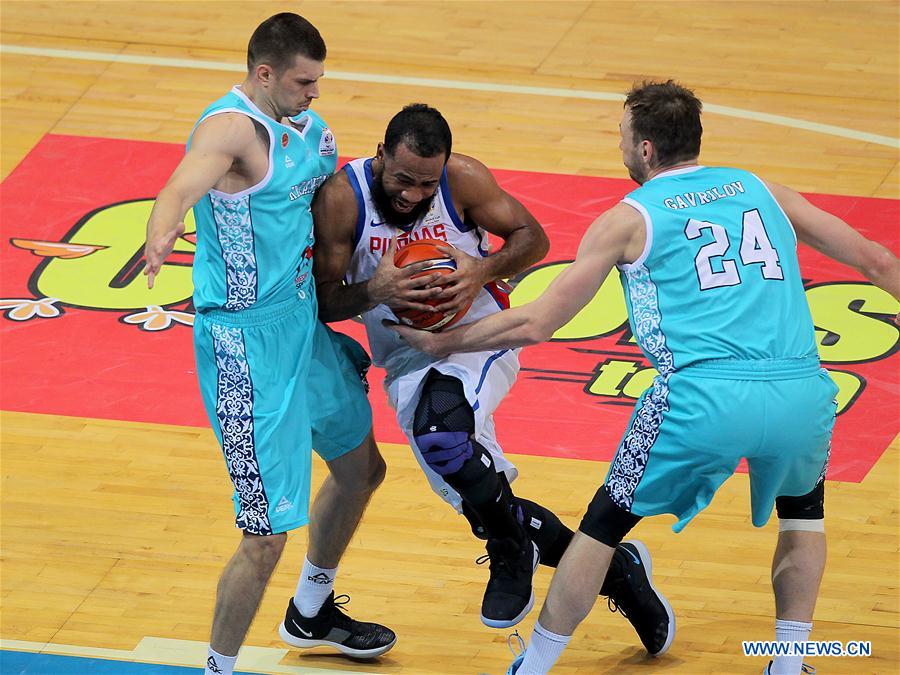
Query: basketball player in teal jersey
x=716 y=302
x=275 y=382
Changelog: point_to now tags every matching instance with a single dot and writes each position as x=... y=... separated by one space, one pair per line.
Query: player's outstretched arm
x=616 y=236
x=334 y=215
x=830 y=235
x=215 y=146
x=485 y=203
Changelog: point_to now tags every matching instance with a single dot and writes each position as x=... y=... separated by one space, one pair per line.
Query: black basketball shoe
x=331 y=627
x=630 y=590
x=508 y=596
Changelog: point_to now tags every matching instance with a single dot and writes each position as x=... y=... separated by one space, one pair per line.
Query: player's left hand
x=157 y=249
x=422 y=340
x=462 y=286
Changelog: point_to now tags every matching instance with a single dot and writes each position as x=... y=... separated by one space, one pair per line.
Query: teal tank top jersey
x=719 y=277
x=256 y=338
x=241 y=260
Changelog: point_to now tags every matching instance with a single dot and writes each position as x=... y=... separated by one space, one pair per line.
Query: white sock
x=789 y=631
x=543 y=650
x=313 y=588
x=217 y=664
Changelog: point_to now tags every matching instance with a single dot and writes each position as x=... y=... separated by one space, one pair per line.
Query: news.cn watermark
x=808 y=648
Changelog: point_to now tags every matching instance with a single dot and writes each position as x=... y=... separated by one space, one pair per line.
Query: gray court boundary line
x=490 y=87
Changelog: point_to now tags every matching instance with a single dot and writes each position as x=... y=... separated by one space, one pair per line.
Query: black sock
x=544 y=528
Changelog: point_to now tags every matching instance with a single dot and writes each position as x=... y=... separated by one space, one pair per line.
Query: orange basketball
x=423 y=250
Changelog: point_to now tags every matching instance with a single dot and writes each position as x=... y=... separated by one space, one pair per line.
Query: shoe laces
x=518 y=641
x=503 y=562
x=614 y=599
x=500 y=565
x=614 y=607
x=339 y=603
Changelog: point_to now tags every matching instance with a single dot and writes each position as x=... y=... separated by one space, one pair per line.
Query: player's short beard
x=386 y=208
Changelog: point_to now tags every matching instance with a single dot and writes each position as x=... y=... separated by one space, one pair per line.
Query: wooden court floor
x=123 y=544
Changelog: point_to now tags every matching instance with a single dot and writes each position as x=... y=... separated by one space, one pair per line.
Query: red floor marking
x=78 y=356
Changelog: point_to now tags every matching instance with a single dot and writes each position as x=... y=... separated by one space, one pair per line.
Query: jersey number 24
x=756 y=249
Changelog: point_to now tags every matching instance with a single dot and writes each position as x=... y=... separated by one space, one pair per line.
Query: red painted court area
x=81 y=334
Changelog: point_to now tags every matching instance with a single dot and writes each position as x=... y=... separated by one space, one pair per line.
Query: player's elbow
x=879 y=264
x=537 y=331
x=542 y=246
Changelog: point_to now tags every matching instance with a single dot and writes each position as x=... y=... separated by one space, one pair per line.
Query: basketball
x=426 y=250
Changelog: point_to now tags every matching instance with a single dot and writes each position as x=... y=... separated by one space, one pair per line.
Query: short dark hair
x=280 y=38
x=422 y=129
x=667 y=115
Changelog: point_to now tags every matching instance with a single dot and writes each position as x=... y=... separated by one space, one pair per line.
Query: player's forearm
x=339 y=301
x=168 y=211
x=521 y=249
x=516 y=327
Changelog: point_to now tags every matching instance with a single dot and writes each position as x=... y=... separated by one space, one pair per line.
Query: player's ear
x=264 y=73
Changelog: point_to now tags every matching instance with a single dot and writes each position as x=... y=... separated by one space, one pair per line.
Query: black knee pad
x=606 y=521
x=443 y=424
x=443 y=406
x=810 y=506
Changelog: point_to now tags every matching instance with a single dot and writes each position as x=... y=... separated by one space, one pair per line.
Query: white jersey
x=371 y=240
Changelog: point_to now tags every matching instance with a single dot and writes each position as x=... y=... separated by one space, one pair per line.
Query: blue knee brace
x=445 y=451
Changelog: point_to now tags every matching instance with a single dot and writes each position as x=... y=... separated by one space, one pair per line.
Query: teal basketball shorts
x=275 y=382
x=689 y=431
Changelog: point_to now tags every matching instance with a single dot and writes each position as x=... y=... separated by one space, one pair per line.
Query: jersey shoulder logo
x=326 y=143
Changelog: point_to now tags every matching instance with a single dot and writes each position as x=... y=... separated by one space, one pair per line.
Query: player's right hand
x=399 y=287
x=157 y=248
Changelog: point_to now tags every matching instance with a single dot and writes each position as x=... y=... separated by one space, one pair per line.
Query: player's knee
x=263 y=551
x=606 y=521
x=443 y=424
x=360 y=471
x=805 y=513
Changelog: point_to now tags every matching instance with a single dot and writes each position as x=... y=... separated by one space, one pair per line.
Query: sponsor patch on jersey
x=285 y=139
x=326 y=143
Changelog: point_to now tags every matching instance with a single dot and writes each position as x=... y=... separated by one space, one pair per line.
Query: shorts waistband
x=755 y=369
x=257 y=316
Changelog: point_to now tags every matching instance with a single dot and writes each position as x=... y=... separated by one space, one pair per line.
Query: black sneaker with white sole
x=331 y=627
x=630 y=590
x=509 y=596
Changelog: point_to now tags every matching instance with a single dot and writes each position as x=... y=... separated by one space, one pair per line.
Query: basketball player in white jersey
x=414 y=188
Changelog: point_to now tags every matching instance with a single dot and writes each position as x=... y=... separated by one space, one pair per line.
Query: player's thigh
x=253 y=382
x=793 y=455
x=339 y=405
x=685 y=438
